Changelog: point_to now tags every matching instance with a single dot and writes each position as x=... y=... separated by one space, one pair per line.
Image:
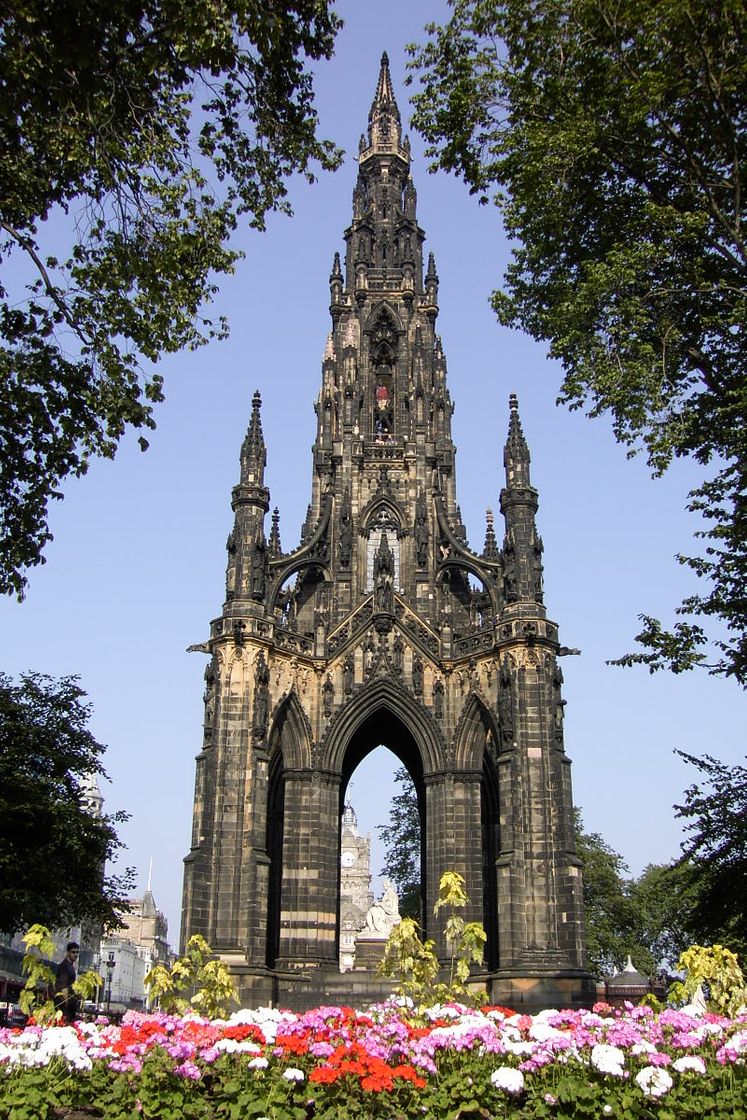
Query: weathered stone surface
x=384 y=627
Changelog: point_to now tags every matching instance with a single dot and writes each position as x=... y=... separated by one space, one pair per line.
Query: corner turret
x=521 y=555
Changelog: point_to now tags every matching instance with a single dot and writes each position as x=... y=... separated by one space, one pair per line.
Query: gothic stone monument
x=383 y=627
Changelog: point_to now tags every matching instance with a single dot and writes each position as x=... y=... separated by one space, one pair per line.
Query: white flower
x=520 y=1049
x=234 y=1046
x=258 y=1063
x=608 y=1059
x=509 y=1079
x=738 y=1041
x=607 y=1110
x=542 y=1031
x=643 y=1047
x=293 y=1074
x=654 y=1082
x=689 y=1063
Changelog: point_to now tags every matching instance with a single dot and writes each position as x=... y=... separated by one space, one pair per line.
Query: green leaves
x=195 y=981
x=715 y=808
x=718 y=969
x=136 y=137
x=401 y=839
x=414 y=962
x=612 y=139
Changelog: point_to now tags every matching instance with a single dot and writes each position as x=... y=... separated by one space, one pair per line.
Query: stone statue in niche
x=328 y=693
x=348 y=675
x=398 y=651
x=421 y=535
x=505 y=704
x=257 y=577
x=209 y=699
x=438 y=698
x=346 y=533
x=417 y=676
x=261 y=697
x=509 y=573
x=384 y=576
x=537 y=570
x=557 y=683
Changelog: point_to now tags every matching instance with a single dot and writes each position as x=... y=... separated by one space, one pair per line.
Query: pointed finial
x=516 y=457
x=490 y=549
x=253 y=453
x=516 y=443
x=274 y=546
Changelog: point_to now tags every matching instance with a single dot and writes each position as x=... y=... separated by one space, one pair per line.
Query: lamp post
x=109 y=970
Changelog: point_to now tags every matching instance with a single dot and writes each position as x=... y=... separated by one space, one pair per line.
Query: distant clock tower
x=355 y=881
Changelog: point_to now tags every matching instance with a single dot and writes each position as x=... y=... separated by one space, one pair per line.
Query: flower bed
x=334 y=1063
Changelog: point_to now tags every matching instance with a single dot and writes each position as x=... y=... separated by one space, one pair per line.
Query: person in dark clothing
x=65 y=999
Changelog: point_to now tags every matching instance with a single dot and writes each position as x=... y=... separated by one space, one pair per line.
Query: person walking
x=65 y=999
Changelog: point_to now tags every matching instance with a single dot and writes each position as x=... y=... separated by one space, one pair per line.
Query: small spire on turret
x=490 y=548
x=253 y=450
x=431 y=282
x=274 y=546
x=516 y=457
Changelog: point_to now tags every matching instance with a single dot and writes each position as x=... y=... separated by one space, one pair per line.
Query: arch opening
x=382 y=759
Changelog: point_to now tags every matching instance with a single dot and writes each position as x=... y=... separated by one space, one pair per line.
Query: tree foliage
x=607 y=909
x=653 y=918
x=611 y=135
x=402 y=839
x=53 y=849
x=715 y=808
x=135 y=138
x=649 y=918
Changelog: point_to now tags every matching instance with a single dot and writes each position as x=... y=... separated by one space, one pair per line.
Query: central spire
x=384 y=121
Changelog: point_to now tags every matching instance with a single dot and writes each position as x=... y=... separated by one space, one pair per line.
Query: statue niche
x=384 y=357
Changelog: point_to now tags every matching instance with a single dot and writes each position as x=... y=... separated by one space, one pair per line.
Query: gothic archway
x=475 y=753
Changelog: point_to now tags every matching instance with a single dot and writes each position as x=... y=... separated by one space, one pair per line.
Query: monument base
x=369 y=952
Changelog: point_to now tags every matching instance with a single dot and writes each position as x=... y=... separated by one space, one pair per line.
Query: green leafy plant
x=34 y=999
x=466 y=940
x=716 y=969
x=413 y=962
x=197 y=969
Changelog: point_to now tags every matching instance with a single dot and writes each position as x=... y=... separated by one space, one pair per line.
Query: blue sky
x=136 y=569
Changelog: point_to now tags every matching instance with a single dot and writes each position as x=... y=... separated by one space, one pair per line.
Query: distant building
x=133 y=951
x=355 y=885
x=123 y=967
x=146 y=927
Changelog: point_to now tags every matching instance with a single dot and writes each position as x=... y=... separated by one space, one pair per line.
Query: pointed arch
x=475 y=722
x=371 y=716
x=381 y=507
x=290 y=735
x=381 y=312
